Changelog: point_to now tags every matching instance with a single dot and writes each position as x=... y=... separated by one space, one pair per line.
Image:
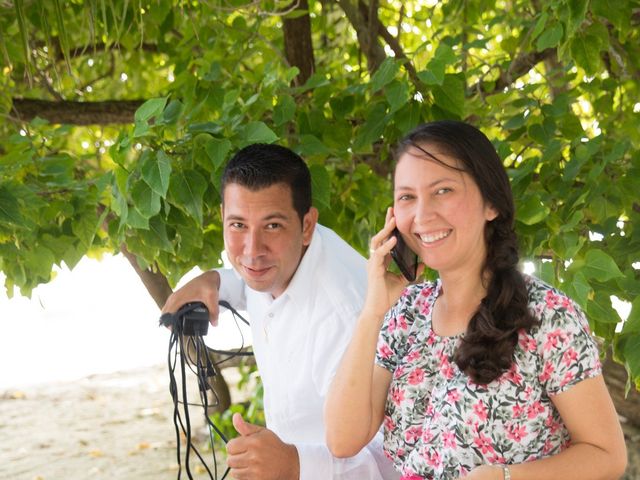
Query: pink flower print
x=427 y=435
x=412 y=434
x=547 y=371
x=385 y=351
x=449 y=439
x=389 y=424
x=534 y=410
x=518 y=411
x=552 y=299
x=480 y=410
x=547 y=447
x=528 y=344
x=569 y=356
x=513 y=375
x=552 y=425
x=434 y=460
x=516 y=433
x=568 y=377
x=453 y=396
x=555 y=339
x=392 y=324
x=483 y=443
x=411 y=476
x=416 y=376
x=397 y=395
x=399 y=372
x=413 y=356
x=446 y=369
x=402 y=322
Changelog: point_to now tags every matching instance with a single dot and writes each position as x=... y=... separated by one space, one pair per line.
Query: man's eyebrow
x=271 y=216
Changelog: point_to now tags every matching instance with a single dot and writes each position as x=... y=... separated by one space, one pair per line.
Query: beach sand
x=110 y=426
x=115 y=426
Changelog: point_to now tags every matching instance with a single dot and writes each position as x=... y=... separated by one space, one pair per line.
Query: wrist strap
x=506 y=473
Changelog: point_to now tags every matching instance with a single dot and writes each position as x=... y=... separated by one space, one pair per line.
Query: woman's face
x=440 y=211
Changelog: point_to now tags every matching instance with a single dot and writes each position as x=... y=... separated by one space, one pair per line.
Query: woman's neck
x=459 y=299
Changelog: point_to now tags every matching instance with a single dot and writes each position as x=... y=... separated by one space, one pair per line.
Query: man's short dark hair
x=262 y=165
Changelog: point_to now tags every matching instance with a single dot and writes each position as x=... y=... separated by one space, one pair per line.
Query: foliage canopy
x=119 y=114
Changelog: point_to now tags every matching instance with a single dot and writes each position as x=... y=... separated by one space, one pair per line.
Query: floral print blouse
x=439 y=424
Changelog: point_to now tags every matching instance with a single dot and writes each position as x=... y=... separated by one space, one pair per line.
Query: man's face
x=263 y=235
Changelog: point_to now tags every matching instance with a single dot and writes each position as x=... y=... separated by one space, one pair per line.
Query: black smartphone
x=404 y=257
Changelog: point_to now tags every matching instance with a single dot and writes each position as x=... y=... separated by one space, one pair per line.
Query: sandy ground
x=113 y=426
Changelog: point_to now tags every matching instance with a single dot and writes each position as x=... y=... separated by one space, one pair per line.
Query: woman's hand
x=384 y=287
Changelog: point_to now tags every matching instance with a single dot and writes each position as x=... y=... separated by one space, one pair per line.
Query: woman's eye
x=442 y=191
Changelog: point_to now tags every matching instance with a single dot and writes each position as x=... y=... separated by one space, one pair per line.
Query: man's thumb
x=244 y=428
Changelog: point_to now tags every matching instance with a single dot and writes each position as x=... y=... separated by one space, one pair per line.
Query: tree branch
x=155 y=283
x=76 y=113
x=372 y=50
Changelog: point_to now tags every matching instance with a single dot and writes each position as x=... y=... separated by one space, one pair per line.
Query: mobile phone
x=404 y=257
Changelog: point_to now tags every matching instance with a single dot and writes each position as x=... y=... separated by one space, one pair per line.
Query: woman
x=486 y=373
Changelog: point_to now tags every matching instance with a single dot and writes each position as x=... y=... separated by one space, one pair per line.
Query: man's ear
x=309 y=222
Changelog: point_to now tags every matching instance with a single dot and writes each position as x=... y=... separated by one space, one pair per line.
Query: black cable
x=188 y=326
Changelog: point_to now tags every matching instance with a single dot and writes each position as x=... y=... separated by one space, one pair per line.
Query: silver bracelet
x=506 y=473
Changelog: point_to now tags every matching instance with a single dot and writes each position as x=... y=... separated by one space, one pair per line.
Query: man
x=303 y=288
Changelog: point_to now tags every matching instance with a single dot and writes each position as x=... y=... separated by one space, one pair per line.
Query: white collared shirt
x=298 y=340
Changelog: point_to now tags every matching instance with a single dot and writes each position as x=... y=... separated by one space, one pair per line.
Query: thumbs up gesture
x=259 y=454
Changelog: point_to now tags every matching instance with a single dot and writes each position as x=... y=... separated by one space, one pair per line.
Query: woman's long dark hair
x=486 y=350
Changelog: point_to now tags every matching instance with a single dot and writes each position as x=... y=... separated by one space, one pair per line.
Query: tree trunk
x=298 y=47
x=615 y=376
x=159 y=289
x=76 y=113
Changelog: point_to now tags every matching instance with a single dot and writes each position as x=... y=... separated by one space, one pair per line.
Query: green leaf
x=311 y=145
x=187 y=191
x=632 y=324
x=531 y=210
x=145 y=200
x=9 y=208
x=284 y=110
x=158 y=232
x=257 y=132
x=435 y=71
x=385 y=73
x=599 y=265
x=450 y=96
x=320 y=186
x=550 y=37
x=149 y=109
x=540 y=24
x=631 y=351
x=372 y=129
x=397 y=94
x=585 y=50
x=156 y=171
x=579 y=289
x=217 y=151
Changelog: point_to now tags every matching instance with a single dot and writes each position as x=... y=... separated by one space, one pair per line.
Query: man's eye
x=273 y=226
x=236 y=225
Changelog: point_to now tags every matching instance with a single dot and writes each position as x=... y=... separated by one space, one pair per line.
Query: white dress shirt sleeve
x=317 y=463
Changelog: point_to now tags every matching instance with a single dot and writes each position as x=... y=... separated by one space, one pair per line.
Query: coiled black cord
x=188 y=325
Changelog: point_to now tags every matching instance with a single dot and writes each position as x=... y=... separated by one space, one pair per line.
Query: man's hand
x=203 y=288
x=259 y=454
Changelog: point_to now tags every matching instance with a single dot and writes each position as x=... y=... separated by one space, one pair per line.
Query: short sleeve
x=568 y=350
x=397 y=324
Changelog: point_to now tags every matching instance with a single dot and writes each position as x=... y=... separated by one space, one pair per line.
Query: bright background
x=97 y=318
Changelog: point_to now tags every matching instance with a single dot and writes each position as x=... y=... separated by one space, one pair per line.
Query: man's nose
x=254 y=244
